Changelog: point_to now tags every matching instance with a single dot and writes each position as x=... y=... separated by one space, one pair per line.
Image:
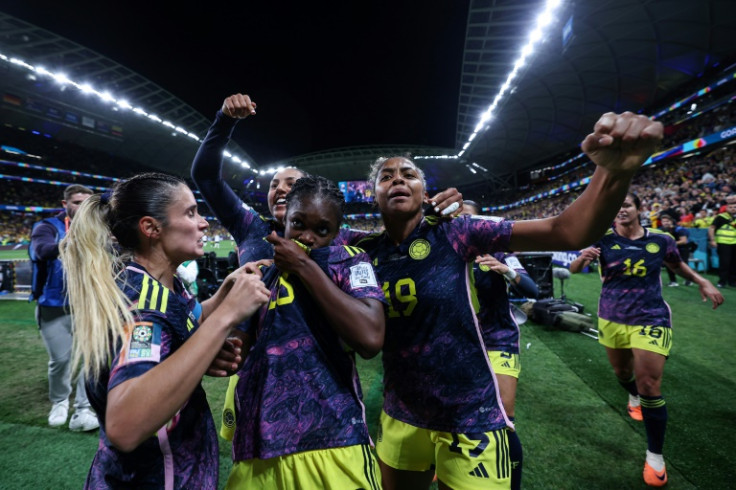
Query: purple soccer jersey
x=630 y=271
x=298 y=388
x=436 y=371
x=183 y=453
x=500 y=330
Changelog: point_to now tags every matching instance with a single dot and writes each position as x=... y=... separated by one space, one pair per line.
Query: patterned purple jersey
x=436 y=371
x=183 y=453
x=499 y=328
x=298 y=388
x=630 y=271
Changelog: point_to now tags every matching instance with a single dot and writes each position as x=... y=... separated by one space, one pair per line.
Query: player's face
x=399 y=187
x=280 y=186
x=181 y=238
x=312 y=221
x=731 y=207
x=628 y=213
x=73 y=203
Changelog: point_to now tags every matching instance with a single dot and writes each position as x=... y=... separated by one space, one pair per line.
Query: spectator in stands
x=634 y=321
x=145 y=343
x=53 y=315
x=722 y=236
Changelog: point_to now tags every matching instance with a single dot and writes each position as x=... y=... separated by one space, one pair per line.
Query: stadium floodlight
x=536 y=36
x=86 y=88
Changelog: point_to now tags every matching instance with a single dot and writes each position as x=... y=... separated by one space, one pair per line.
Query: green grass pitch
x=570 y=410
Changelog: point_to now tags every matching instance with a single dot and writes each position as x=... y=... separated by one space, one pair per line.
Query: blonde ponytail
x=99 y=308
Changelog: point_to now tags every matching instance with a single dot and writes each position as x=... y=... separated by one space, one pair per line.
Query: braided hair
x=317 y=186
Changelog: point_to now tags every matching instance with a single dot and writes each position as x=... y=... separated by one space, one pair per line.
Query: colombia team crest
x=652 y=248
x=419 y=249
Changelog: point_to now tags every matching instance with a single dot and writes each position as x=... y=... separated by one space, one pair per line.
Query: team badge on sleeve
x=143 y=343
x=362 y=276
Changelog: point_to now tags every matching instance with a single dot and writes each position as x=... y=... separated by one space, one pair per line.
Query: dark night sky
x=324 y=74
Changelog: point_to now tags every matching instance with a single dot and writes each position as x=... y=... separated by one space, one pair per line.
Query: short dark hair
x=76 y=189
x=468 y=202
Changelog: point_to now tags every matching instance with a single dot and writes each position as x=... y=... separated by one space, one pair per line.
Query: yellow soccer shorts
x=505 y=363
x=646 y=337
x=462 y=461
x=340 y=468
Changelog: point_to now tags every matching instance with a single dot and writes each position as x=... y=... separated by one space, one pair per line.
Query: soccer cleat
x=635 y=412
x=58 y=414
x=83 y=420
x=673 y=284
x=654 y=478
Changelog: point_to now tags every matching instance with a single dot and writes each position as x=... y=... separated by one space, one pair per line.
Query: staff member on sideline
x=54 y=319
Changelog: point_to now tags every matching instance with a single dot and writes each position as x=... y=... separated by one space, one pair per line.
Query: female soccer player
x=442 y=410
x=301 y=420
x=491 y=277
x=145 y=342
x=246 y=226
x=634 y=321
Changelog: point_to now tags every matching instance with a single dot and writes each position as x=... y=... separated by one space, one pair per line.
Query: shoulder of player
x=149 y=298
x=338 y=254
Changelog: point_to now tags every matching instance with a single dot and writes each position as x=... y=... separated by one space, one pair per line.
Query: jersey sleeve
x=351 y=270
x=475 y=235
x=146 y=343
x=235 y=215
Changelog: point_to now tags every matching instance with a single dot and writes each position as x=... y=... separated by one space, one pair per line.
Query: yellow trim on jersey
x=473 y=290
x=432 y=220
x=154 y=295
x=353 y=251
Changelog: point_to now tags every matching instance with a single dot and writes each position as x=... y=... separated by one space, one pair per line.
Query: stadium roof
x=598 y=56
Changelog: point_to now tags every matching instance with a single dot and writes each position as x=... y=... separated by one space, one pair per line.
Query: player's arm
x=583 y=260
x=139 y=406
x=707 y=290
x=44 y=243
x=360 y=322
x=207 y=165
x=619 y=145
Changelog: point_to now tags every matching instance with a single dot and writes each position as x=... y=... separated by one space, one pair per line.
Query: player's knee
x=648 y=385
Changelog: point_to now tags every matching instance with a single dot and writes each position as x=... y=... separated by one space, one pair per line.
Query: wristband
x=510 y=275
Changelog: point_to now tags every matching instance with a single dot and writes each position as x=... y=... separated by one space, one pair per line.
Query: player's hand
x=238 y=106
x=590 y=254
x=246 y=295
x=621 y=143
x=288 y=255
x=249 y=268
x=709 y=292
x=228 y=359
x=492 y=263
x=446 y=203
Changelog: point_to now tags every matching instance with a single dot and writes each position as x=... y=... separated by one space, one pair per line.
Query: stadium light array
x=544 y=20
x=116 y=104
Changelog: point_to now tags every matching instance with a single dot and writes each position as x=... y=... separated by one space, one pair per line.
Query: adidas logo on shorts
x=479 y=471
x=653 y=342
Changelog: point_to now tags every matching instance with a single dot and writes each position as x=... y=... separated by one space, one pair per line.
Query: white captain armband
x=362 y=276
